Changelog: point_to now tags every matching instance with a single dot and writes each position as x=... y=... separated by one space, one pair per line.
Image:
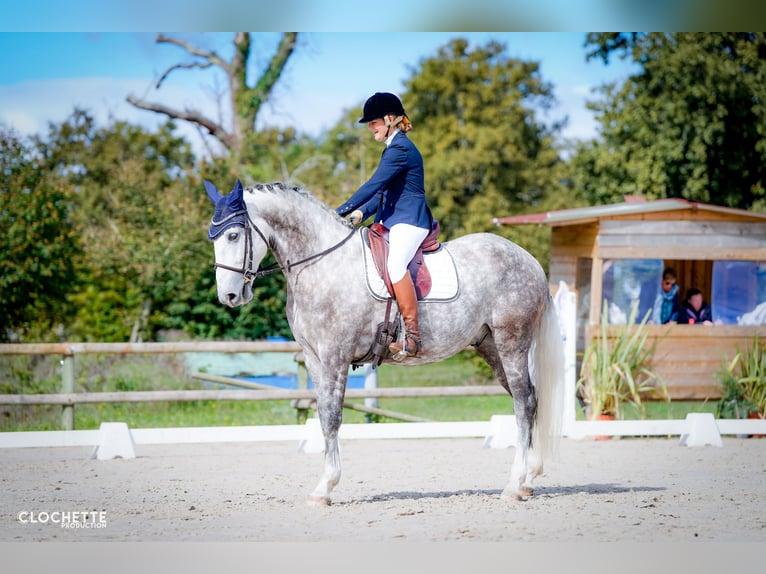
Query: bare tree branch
x=245 y=101
x=204 y=140
x=199 y=65
x=210 y=58
x=262 y=90
x=193 y=50
x=193 y=116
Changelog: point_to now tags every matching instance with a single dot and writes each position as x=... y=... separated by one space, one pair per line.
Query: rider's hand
x=356 y=217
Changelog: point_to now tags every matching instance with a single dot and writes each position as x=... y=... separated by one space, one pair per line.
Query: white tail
x=547 y=372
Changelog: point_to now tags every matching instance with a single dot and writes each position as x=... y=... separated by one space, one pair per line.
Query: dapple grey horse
x=503 y=309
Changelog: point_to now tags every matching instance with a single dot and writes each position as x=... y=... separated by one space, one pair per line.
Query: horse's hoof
x=526 y=490
x=318 y=501
x=511 y=496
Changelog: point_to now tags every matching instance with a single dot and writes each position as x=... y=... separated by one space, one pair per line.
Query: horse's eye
x=233 y=236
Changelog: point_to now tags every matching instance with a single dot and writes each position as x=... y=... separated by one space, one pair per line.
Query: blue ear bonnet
x=230 y=210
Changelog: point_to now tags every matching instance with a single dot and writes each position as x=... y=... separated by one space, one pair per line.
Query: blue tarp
x=276 y=369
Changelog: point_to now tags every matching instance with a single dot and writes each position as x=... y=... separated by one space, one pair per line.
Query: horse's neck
x=299 y=225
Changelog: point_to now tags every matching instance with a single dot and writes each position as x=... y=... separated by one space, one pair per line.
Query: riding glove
x=356 y=217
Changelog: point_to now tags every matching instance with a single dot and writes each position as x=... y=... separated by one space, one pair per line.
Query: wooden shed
x=617 y=253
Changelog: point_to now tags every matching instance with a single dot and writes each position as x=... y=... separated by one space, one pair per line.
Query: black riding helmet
x=379 y=105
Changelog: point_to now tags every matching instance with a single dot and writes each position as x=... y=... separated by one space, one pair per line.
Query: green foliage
x=140 y=217
x=281 y=155
x=351 y=156
x=743 y=383
x=617 y=369
x=39 y=249
x=486 y=153
x=205 y=317
x=691 y=124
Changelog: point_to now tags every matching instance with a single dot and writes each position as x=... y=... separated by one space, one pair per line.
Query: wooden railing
x=68 y=351
x=68 y=398
x=689 y=358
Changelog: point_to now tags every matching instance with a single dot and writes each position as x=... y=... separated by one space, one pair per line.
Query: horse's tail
x=548 y=378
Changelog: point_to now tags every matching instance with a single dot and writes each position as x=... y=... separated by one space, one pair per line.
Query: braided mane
x=300 y=192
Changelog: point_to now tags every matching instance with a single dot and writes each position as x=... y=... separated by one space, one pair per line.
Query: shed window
x=628 y=280
x=739 y=292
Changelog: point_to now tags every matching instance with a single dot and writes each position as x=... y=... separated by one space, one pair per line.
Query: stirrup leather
x=402 y=354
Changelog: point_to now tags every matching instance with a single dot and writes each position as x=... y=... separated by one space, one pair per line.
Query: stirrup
x=404 y=353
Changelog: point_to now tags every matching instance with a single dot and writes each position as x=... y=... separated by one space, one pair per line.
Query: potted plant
x=616 y=368
x=743 y=384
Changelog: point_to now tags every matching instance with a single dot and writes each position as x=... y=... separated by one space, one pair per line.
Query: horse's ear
x=235 y=200
x=212 y=192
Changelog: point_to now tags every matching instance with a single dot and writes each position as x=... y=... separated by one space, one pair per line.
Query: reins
x=247 y=263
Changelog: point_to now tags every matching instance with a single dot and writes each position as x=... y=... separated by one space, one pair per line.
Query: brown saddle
x=421 y=277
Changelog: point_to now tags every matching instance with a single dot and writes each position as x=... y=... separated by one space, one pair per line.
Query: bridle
x=246 y=269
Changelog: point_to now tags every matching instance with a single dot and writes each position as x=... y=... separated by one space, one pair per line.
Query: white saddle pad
x=444 y=281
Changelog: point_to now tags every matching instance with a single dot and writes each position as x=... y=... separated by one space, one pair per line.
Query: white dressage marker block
x=115 y=441
x=502 y=432
x=701 y=431
x=314 y=441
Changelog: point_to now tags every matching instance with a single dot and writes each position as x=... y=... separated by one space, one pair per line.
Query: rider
x=397 y=192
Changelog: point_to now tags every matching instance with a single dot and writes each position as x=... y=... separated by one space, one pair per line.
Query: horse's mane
x=304 y=194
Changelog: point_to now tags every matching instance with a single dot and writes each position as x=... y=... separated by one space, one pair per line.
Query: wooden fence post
x=67 y=386
x=302 y=405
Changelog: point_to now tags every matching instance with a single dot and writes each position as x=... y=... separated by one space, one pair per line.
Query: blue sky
x=51 y=73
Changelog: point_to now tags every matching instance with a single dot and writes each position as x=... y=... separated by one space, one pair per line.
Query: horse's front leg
x=331 y=386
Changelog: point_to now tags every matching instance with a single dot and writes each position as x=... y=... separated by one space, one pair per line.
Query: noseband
x=247 y=262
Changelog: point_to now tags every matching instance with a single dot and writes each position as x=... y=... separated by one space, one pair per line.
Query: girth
x=421 y=277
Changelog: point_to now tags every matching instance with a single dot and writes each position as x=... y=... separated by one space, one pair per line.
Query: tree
x=140 y=223
x=486 y=153
x=691 y=124
x=245 y=101
x=39 y=248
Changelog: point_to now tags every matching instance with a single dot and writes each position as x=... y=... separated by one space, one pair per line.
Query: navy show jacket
x=396 y=190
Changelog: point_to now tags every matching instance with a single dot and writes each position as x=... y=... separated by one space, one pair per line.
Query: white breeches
x=404 y=240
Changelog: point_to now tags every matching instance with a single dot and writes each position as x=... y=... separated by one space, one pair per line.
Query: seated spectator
x=695 y=311
x=666 y=307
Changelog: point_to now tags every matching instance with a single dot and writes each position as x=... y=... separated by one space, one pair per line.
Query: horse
x=504 y=310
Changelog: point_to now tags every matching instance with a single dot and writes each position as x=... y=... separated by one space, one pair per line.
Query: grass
x=663 y=410
x=23 y=374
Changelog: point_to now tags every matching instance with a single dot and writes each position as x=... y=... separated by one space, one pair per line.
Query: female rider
x=396 y=193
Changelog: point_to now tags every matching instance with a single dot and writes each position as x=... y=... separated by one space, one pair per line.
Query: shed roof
x=631 y=206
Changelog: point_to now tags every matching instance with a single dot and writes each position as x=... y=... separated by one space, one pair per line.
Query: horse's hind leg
x=525 y=463
x=330 y=392
x=509 y=362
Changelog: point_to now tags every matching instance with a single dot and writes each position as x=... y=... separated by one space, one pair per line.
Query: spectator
x=695 y=311
x=666 y=307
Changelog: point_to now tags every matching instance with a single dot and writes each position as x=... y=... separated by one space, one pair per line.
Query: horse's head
x=237 y=255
